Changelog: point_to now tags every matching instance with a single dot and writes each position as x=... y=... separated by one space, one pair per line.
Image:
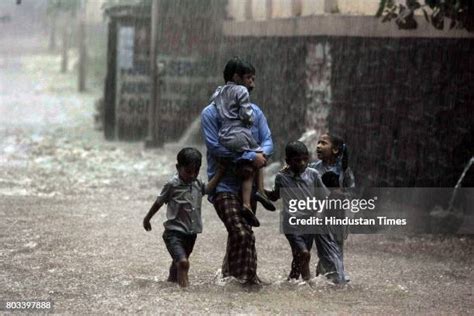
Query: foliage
x=459 y=13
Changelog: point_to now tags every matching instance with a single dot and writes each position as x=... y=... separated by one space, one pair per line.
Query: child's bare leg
x=173 y=274
x=183 y=268
x=247 y=192
x=260 y=186
x=304 y=259
x=247 y=174
x=260 y=195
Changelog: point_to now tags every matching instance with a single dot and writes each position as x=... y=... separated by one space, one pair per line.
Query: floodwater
x=71 y=206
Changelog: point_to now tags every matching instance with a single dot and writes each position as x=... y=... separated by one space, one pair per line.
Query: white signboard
x=125 y=47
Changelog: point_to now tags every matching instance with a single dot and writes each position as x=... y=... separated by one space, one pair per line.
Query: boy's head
x=189 y=163
x=297 y=156
x=241 y=72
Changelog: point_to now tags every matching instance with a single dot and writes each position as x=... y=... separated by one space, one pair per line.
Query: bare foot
x=305 y=257
x=183 y=268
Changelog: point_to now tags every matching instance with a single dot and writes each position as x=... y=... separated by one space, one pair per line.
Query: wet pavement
x=71 y=206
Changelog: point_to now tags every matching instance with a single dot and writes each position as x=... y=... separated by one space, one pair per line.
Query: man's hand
x=146 y=224
x=260 y=161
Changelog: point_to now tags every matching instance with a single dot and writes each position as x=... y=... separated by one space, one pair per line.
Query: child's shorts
x=179 y=245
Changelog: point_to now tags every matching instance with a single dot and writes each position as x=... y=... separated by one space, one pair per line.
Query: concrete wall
x=337 y=25
x=190 y=39
x=405 y=108
x=238 y=9
x=318 y=74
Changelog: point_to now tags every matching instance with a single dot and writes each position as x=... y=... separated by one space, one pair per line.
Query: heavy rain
x=97 y=97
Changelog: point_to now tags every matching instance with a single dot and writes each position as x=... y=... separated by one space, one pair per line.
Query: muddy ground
x=71 y=206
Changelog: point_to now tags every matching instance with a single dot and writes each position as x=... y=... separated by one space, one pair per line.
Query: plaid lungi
x=240 y=259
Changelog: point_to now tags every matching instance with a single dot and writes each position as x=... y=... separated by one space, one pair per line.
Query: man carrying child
x=240 y=260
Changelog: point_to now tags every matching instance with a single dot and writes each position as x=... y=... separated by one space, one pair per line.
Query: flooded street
x=72 y=204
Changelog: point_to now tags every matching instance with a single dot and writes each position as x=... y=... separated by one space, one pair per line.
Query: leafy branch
x=459 y=13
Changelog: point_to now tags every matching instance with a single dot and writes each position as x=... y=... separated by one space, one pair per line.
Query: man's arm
x=265 y=135
x=264 y=139
x=212 y=184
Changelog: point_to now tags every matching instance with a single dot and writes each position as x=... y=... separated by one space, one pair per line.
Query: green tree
x=458 y=13
x=71 y=11
x=64 y=11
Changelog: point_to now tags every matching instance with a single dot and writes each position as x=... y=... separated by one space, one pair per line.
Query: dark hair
x=330 y=179
x=189 y=156
x=237 y=66
x=295 y=148
x=338 y=142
